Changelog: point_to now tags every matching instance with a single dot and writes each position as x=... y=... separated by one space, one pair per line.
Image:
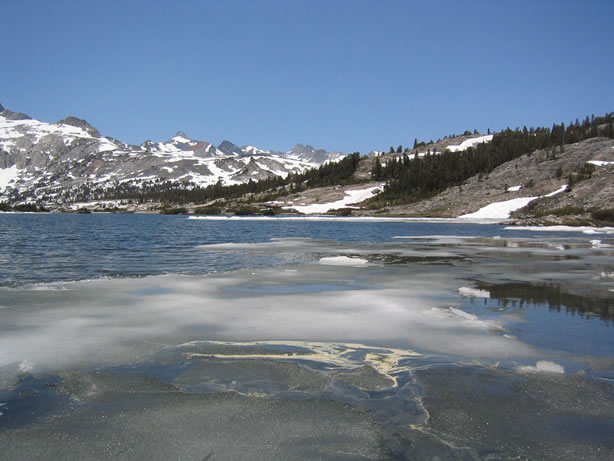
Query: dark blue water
x=60 y=247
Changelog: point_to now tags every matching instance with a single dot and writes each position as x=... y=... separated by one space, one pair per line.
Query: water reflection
x=554 y=297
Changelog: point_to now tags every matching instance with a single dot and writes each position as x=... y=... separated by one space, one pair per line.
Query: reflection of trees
x=519 y=294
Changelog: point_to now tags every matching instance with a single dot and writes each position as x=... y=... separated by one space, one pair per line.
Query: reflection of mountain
x=521 y=294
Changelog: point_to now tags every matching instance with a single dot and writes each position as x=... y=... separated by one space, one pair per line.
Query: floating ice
x=543 y=366
x=309 y=218
x=342 y=261
x=600 y=244
x=473 y=292
x=463 y=314
x=584 y=229
x=468 y=320
x=108 y=322
x=24 y=366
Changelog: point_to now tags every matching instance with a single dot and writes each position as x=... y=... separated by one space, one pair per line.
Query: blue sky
x=341 y=75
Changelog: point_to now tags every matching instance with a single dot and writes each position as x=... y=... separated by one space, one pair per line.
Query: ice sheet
x=584 y=229
x=116 y=321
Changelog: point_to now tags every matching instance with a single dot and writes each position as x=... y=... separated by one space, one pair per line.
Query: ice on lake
x=410 y=348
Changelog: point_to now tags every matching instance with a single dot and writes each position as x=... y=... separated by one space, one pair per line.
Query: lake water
x=134 y=336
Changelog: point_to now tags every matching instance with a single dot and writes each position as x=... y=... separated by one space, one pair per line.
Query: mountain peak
x=229 y=148
x=303 y=149
x=10 y=115
x=181 y=134
x=80 y=123
x=310 y=154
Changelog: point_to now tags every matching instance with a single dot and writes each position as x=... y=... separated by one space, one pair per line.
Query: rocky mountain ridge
x=48 y=162
x=68 y=164
x=585 y=167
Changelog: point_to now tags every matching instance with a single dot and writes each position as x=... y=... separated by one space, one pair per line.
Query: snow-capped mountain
x=309 y=154
x=47 y=161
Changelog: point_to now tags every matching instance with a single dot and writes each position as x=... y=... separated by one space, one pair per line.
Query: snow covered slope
x=351 y=197
x=470 y=143
x=54 y=162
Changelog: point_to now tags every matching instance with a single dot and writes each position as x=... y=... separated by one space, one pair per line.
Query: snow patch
x=252 y=150
x=499 y=210
x=352 y=196
x=421 y=155
x=558 y=191
x=502 y=210
x=514 y=188
x=600 y=162
x=7 y=175
x=470 y=143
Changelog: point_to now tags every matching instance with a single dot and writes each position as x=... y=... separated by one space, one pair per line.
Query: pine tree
x=376 y=172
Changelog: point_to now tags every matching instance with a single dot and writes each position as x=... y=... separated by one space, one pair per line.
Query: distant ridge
x=60 y=162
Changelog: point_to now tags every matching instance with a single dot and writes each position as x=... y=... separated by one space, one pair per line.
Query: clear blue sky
x=347 y=75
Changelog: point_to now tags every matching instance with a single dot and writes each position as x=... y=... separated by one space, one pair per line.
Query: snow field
x=352 y=196
x=7 y=175
x=502 y=210
x=470 y=143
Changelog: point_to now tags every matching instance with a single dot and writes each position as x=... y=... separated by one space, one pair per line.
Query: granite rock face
x=57 y=163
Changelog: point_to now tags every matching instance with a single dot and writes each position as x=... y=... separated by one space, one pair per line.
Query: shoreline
x=564 y=225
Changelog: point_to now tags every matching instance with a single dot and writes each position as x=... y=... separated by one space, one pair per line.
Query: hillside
x=541 y=175
x=537 y=173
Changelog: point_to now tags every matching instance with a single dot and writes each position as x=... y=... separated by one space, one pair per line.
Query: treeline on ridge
x=332 y=173
x=409 y=180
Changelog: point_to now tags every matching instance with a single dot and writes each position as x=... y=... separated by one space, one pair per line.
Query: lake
x=163 y=337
